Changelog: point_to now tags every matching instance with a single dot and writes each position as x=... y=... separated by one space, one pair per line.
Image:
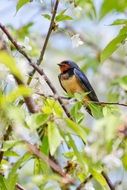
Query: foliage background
x=93 y=34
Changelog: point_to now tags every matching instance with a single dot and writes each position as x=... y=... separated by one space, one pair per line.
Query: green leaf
x=34 y=121
x=21 y=3
x=44 y=147
x=96 y=110
x=100 y=178
x=12 y=177
x=11 y=153
x=3 y=182
x=120 y=22
x=112 y=46
x=60 y=18
x=123 y=82
x=52 y=107
x=9 y=62
x=45 y=144
x=124 y=160
x=24 y=31
x=76 y=128
x=112 y=5
x=37 y=167
x=54 y=137
x=71 y=143
x=10 y=144
x=88 y=6
x=47 y=16
x=76 y=113
x=12 y=96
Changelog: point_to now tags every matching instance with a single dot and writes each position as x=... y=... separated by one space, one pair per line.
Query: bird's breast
x=71 y=84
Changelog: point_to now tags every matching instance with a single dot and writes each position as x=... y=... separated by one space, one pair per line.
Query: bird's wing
x=59 y=77
x=85 y=84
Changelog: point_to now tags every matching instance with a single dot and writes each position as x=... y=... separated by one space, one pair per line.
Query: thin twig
x=46 y=40
x=94 y=46
x=68 y=98
x=110 y=103
x=84 y=182
x=5 y=138
x=108 y=180
x=19 y=187
x=31 y=106
x=52 y=96
x=65 y=177
x=40 y=71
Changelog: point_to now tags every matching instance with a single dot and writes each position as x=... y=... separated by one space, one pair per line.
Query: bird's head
x=66 y=65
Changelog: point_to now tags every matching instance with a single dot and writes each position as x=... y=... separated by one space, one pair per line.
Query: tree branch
x=40 y=71
x=46 y=40
x=90 y=177
x=94 y=46
x=110 y=103
x=68 y=98
x=108 y=180
x=65 y=177
x=5 y=138
x=84 y=182
x=19 y=187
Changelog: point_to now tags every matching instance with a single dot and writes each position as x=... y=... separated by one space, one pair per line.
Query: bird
x=73 y=80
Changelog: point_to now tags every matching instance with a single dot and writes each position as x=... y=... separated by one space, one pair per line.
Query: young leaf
x=36 y=120
x=54 y=137
x=112 y=46
x=10 y=144
x=124 y=160
x=99 y=177
x=112 y=5
x=9 y=62
x=12 y=177
x=47 y=16
x=76 y=128
x=37 y=167
x=77 y=153
x=123 y=82
x=120 y=22
x=21 y=3
x=3 y=185
x=96 y=110
x=75 y=112
x=20 y=91
x=60 y=18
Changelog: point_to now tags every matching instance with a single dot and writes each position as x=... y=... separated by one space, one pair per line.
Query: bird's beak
x=59 y=64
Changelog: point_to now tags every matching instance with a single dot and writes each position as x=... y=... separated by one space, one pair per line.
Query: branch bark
x=40 y=71
x=69 y=98
x=5 y=138
x=94 y=46
x=19 y=187
x=46 y=40
x=108 y=180
x=65 y=177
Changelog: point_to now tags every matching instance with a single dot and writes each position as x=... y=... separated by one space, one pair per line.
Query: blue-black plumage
x=73 y=80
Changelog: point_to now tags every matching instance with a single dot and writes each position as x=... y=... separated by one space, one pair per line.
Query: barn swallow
x=73 y=80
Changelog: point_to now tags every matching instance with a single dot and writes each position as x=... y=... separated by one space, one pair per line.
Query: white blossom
x=76 y=41
x=88 y=150
x=112 y=161
x=89 y=186
x=77 y=11
x=10 y=79
x=26 y=43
